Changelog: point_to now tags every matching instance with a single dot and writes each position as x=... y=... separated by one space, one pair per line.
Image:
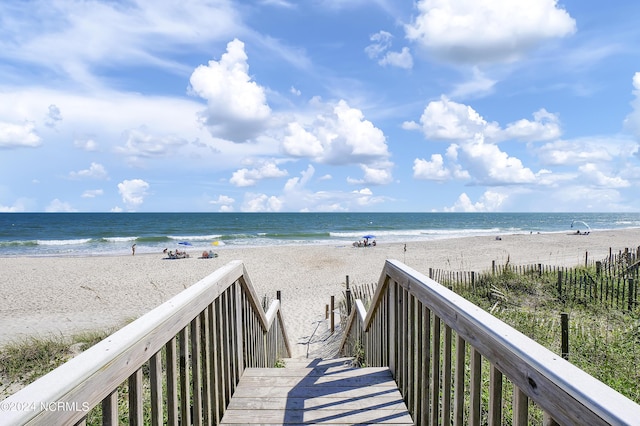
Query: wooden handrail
x=208 y=314
x=402 y=329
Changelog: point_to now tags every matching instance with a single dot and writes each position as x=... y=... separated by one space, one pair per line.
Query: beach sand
x=65 y=295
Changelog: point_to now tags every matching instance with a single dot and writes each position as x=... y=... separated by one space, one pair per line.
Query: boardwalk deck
x=319 y=392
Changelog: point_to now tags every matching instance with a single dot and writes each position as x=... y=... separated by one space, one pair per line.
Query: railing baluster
x=172 y=382
x=110 y=409
x=426 y=362
x=458 y=405
x=214 y=359
x=185 y=397
x=495 y=396
x=196 y=373
x=155 y=382
x=435 y=369
x=475 y=387
x=207 y=409
x=520 y=407
x=446 y=377
x=135 y=399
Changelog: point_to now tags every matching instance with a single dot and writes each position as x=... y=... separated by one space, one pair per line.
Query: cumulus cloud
x=133 y=192
x=546 y=126
x=448 y=120
x=339 y=136
x=59 y=206
x=452 y=121
x=237 y=108
x=249 y=177
x=379 y=50
x=261 y=203
x=488 y=165
x=431 y=170
x=95 y=171
x=632 y=121
x=489 y=201
x=225 y=202
x=485 y=31
x=593 y=175
x=18 y=135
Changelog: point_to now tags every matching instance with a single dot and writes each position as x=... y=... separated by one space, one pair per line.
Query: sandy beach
x=65 y=295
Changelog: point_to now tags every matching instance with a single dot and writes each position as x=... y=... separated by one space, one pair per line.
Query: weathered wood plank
x=321 y=416
x=328 y=391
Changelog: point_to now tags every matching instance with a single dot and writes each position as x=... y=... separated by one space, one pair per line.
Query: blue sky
x=319 y=105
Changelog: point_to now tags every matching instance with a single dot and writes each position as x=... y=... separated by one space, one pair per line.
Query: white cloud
x=488 y=165
x=18 y=135
x=592 y=174
x=632 y=121
x=140 y=143
x=379 y=49
x=489 y=201
x=546 y=126
x=485 y=31
x=249 y=177
x=95 y=171
x=261 y=203
x=342 y=136
x=402 y=59
x=448 y=120
x=86 y=144
x=92 y=193
x=478 y=85
x=452 y=121
x=60 y=38
x=133 y=192
x=59 y=206
x=431 y=170
x=237 y=106
x=300 y=143
x=54 y=116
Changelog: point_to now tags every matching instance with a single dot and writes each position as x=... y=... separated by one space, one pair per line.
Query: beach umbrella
x=583 y=223
x=368 y=236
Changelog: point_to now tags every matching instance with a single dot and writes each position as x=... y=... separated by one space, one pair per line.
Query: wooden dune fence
x=454 y=363
x=178 y=364
x=611 y=282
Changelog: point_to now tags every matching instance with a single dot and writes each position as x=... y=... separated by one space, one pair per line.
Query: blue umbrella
x=369 y=236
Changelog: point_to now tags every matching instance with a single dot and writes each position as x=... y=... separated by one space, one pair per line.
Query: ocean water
x=82 y=234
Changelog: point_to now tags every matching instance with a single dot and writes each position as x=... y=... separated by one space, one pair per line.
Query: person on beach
x=133 y=250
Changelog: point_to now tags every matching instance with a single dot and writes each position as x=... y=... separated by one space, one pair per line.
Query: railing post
x=332 y=314
x=239 y=331
x=348 y=297
x=391 y=326
x=564 y=324
x=631 y=293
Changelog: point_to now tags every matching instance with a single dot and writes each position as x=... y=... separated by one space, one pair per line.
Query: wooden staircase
x=317 y=391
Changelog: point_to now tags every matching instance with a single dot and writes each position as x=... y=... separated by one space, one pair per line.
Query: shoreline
x=63 y=295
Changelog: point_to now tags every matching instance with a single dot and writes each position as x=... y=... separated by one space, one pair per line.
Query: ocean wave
x=63 y=242
x=194 y=237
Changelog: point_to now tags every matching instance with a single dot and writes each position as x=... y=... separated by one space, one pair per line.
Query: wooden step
x=319 y=392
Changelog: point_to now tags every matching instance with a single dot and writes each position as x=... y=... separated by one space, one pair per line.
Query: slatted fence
x=178 y=364
x=454 y=363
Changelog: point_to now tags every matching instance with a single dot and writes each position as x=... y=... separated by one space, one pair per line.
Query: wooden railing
x=436 y=344
x=178 y=364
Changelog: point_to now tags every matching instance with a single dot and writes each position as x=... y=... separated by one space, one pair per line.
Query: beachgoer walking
x=133 y=250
